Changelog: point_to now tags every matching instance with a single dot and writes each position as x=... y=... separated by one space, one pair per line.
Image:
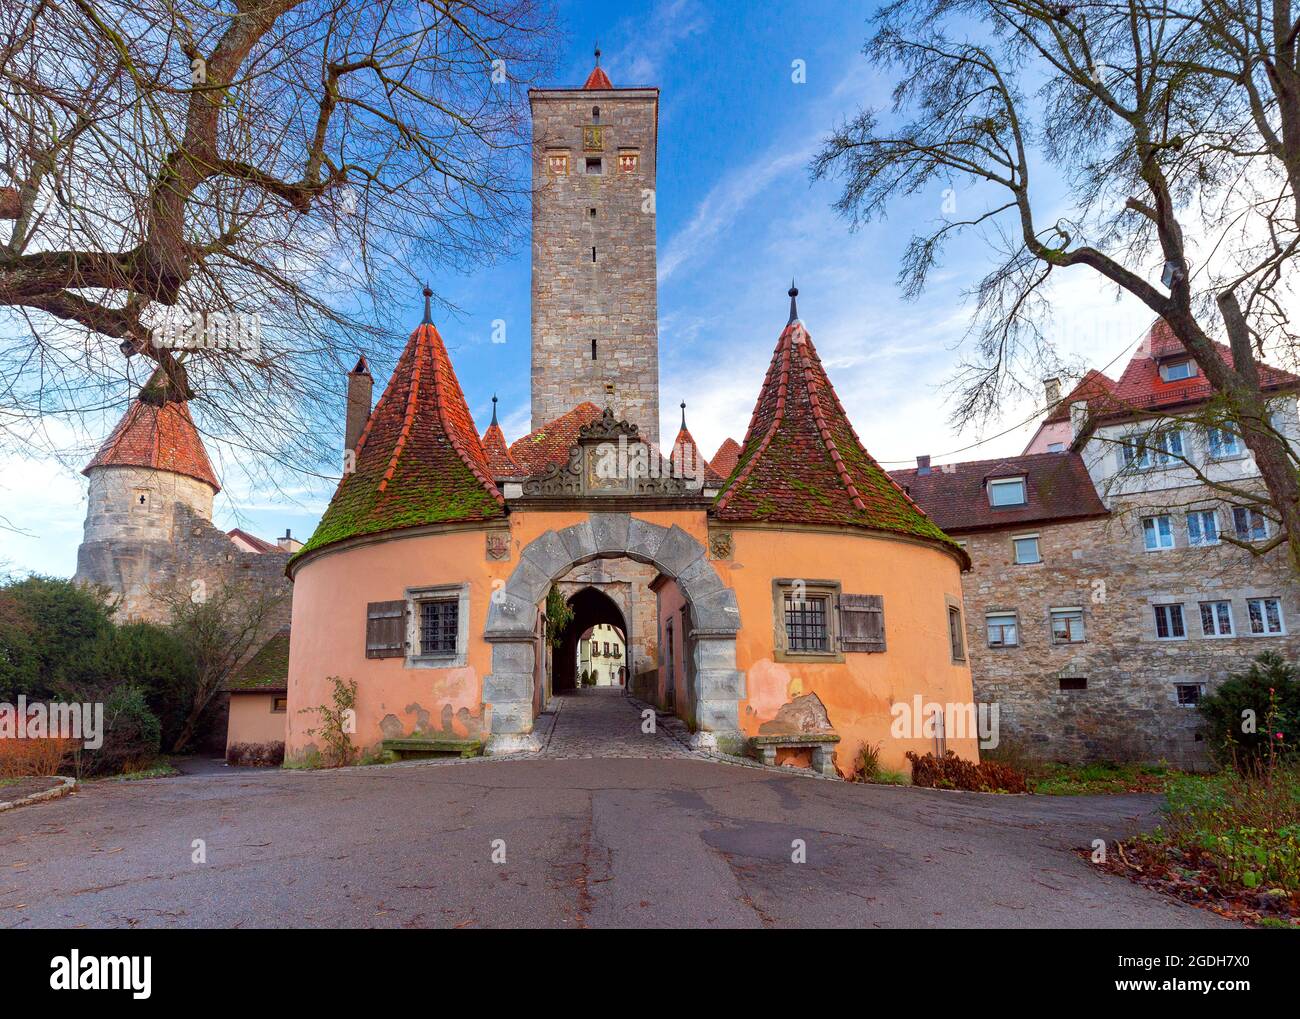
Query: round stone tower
x=150 y=482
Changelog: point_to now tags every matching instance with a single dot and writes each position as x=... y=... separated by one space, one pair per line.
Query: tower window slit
x=593 y=252
x=593 y=350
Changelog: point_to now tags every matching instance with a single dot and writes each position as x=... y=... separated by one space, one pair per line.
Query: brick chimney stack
x=360 y=387
x=1052 y=390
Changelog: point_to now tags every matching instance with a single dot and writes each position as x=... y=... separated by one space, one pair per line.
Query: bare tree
x=302 y=160
x=222 y=630
x=1175 y=129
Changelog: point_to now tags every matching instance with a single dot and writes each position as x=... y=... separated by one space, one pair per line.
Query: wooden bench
x=421 y=746
x=764 y=747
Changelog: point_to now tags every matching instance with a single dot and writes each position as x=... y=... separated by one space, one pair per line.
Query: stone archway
x=715 y=621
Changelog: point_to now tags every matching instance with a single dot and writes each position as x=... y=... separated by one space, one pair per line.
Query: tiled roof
x=163 y=438
x=803 y=463
x=419 y=459
x=725 y=459
x=498 y=453
x=550 y=444
x=268 y=670
x=1093 y=386
x=1141 y=389
x=598 y=79
x=687 y=459
x=1057 y=487
x=258 y=544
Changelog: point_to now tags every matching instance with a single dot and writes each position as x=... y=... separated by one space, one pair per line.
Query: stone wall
x=612 y=298
x=1129 y=708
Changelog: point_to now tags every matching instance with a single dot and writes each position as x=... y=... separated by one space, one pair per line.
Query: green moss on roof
x=266 y=670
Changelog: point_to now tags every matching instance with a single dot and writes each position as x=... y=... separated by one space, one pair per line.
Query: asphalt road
x=595 y=842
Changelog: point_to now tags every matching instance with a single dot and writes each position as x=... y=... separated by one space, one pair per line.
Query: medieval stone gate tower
x=594 y=310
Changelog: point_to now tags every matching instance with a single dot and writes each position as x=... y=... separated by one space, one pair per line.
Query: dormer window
x=1007 y=492
x=1176 y=371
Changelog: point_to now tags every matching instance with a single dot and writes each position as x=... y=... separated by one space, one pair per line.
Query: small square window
x=1073 y=682
x=1002 y=629
x=1007 y=492
x=1202 y=528
x=1265 y=616
x=279 y=705
x=1216 y=618
x=1188 y=694
x=1169 y=622
x=1026 y=549
x=1067 y=626
x=439 y=626
x=595 y=165
x=1157 y=533
x=1176 y=371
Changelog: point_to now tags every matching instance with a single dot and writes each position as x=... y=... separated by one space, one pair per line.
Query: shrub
x=23 y=758
x=952 y=772
x=1270 y=692
x=338 y=722
x=866 y=766
x=255 y=755
x=132 y=735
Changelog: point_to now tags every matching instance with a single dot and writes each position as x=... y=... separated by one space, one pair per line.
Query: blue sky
x=737 y=218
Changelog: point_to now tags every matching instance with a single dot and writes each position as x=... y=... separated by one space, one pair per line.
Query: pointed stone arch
x=512 y=617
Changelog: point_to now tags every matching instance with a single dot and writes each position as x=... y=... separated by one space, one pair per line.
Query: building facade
x=1107 y=594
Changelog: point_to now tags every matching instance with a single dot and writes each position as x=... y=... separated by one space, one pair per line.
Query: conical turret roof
x=159 y=437
x=419 y=460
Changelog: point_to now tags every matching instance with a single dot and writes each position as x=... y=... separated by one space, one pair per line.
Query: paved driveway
x=593 y=841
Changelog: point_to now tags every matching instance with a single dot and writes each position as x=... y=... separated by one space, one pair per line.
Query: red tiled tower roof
x=598 y=79
x=550 y=444
x=498 y=453
x=803 y=463
x=725 y=459
x=163 y=438
x=419 y=459
x=686 y=457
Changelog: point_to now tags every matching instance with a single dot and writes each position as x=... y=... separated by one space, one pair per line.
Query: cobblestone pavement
x=602 y=722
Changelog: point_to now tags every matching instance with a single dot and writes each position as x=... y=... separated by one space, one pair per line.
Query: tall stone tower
x=595 y=312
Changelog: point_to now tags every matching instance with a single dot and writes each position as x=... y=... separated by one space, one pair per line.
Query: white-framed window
x=1265 y=616
x=1007 y=492
x=1188 y=695
x=1249 y=523
x=1056 y=447
x=1202 y=527
x=1176 y=371
x=1067 y=626
x=1025 y=547
x=1158 y=532
x=1221 y=443
x=1142 y=452
x=1216 y=618
x=1169 y=622
x=1003 y=629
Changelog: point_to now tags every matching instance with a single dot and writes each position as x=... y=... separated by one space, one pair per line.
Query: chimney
x=288 y=543
x=360 y=387
x=923 y=465
x=1052 y=390
x=1078 y=418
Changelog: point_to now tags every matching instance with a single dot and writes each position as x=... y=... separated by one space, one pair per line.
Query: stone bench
x=419 y=746
x=764 y=747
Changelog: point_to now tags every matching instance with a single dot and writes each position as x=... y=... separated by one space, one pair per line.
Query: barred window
x=439 y=624
x=806 y=623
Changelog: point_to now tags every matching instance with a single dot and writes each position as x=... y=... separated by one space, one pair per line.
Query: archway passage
x=718 y=685
x=591 y=608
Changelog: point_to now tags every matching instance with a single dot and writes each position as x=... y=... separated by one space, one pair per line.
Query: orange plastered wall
x=858 y=693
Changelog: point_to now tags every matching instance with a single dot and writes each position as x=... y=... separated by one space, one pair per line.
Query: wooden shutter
x=386 y=629
x=862 y=622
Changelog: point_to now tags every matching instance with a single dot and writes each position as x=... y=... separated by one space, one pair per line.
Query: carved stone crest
x=719 y=544
x=498 y=546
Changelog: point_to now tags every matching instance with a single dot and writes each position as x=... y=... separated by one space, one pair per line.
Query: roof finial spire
x=494 y=408
x=794 y=308
x=683 y=415
x=428 y=310
x=597 y=52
